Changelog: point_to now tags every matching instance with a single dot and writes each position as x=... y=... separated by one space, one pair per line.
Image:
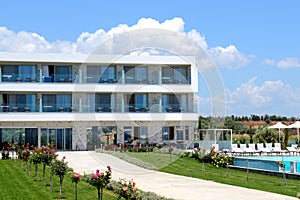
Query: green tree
x=265 y=135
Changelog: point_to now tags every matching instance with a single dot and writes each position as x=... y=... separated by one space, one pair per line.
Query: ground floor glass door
x=60 y=138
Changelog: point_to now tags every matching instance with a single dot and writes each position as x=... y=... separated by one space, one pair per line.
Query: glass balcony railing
x=101 y=108
x=13 y=77
x=18 y=108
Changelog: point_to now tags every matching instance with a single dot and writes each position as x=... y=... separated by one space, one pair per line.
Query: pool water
x=269 y=163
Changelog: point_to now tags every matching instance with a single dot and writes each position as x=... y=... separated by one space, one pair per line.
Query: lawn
x=193 y=168
x=158 y=160
x=15 y=183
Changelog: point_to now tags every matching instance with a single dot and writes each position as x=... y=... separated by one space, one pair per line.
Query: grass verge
x=192 y=168
x=15 y=183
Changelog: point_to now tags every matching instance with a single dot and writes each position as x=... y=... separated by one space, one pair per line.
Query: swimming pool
x=292 y=163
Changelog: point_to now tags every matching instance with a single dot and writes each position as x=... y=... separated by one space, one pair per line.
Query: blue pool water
x=269 y=163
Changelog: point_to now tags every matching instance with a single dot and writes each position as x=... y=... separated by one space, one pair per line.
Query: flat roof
x=10 y=57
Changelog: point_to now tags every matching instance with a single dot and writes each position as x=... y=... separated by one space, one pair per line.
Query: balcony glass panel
x=101 y=74
x=57 y=102
x=103 y=103
x=137 y=103
x=18 y=103
x=57 y=74
x=16 y=73
x=175 y=75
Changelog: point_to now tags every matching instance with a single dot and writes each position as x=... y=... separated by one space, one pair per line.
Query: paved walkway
x=169 y=185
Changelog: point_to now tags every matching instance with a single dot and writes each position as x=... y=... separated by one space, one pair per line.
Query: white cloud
x=271 y=96
x=31 y=42
x=290 y=62
x=228 y=57
x=268 y=61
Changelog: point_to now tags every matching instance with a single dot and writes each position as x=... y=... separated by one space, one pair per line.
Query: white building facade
x=81 y=102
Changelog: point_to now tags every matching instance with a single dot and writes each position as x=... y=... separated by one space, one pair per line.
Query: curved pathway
x=169 y=185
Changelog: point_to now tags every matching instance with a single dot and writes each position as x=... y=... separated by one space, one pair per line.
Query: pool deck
x=169 y=185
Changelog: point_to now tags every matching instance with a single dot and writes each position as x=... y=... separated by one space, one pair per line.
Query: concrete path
x=169 y=185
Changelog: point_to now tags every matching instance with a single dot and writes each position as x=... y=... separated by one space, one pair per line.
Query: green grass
x=192 y=168
x=15 y=183
x=158 y=160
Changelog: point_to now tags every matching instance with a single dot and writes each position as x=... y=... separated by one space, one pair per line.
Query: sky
x=254 y=44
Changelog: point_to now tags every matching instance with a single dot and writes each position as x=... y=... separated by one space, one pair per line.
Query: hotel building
x=79 y=102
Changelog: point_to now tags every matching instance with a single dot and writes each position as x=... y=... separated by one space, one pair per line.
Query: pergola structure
x=209 y=137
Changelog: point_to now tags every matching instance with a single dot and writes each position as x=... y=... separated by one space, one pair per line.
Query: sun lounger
x=236 y=149
x=277 y=148
x=292 y=150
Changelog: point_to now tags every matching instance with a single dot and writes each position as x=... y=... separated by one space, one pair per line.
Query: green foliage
x=126 y=189
x=16 y=184
x=220 y=160
x=99 y=180
x=190 y=167
x=265 y=135
x=60 y=167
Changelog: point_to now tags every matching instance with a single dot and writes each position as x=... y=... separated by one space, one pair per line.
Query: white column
x=41 y=104
x=41 y=73
x=122 y=76
x=39 y=136
x=80 y=105
x=80 y=74
x=160 y=75
x=123 y=104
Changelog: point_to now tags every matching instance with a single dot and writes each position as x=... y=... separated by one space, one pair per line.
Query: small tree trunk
x=76 y=195
x=36 y=172
x=51 y=177
x=44 y=168
x=100 y=193
x=30 y=167
x=61 y=178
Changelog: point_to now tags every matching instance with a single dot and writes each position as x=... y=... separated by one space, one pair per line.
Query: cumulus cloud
x=228 y=57
x=271 y=96
x=289 y=62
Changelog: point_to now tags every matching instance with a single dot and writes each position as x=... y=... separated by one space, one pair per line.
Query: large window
x=60 y=74
x=171 y=102
x=61 y=138
x=18 y=73
x=136 y=74
x=18 y=102
x=103 y=102
x=57 y=102
x=101 y=74
x=175 y=75
x=137 y=102
x=23 y=136
x=100 y=102
x=168 y=133
x=140 y=133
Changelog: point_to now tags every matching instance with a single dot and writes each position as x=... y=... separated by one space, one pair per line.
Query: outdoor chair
x=292 y=150
x=236 y=149
x=277 y=148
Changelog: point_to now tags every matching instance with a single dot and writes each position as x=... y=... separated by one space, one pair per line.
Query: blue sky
x=261 y=74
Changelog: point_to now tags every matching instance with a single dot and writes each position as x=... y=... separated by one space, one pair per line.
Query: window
x=18 y=102
x=53 y=73
x=16 y=73
x=168 y=133
x=140 y=133
x=127 y=133
x=175 y=75
x=103 y=102
x=57 y=102
x=137 y=102
x=136 y=74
